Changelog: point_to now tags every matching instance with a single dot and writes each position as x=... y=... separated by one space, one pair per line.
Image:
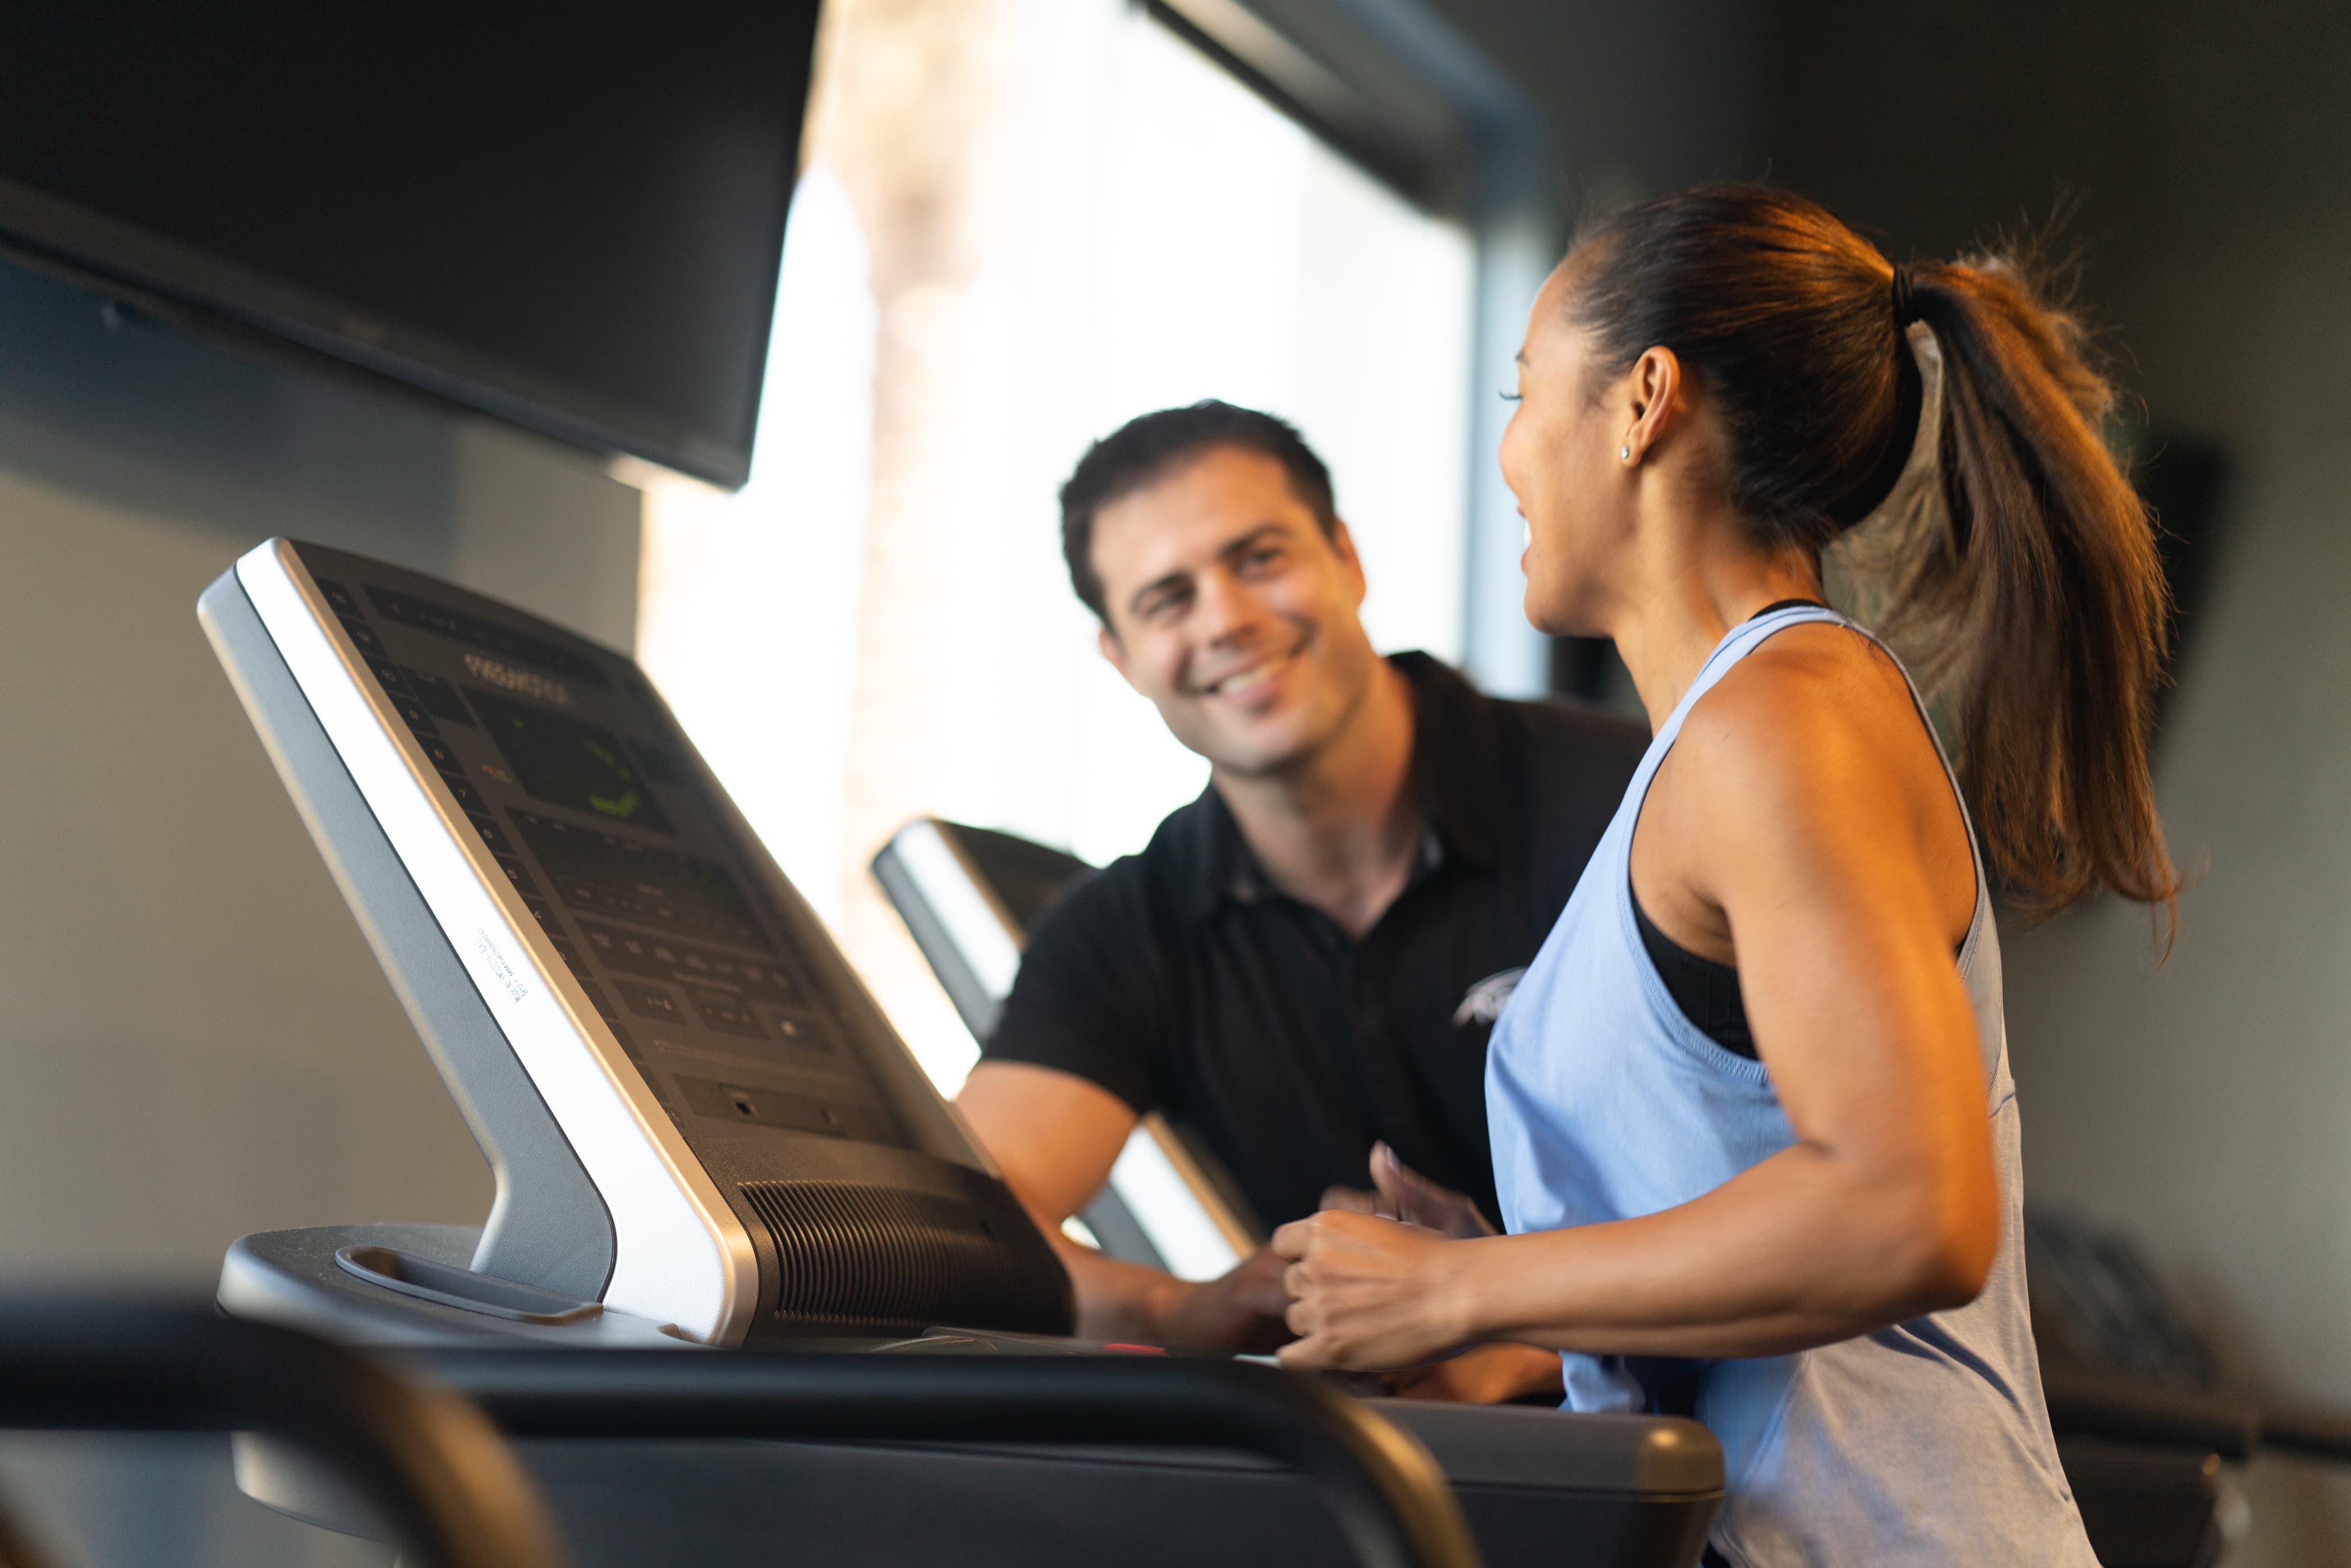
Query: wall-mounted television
x=570 y=216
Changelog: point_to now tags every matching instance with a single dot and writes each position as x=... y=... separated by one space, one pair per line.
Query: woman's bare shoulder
x=1819 y=717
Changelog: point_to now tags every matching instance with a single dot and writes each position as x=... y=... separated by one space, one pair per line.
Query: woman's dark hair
x=2039 y=610
x=1151 y=447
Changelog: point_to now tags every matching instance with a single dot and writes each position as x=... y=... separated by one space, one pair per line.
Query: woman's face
x=1559 y=458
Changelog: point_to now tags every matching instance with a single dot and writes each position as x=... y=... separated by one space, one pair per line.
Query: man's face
x=1232 y=613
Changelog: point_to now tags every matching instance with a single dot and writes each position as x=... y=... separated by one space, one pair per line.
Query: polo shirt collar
x=1455 y=770
x=1456 y=762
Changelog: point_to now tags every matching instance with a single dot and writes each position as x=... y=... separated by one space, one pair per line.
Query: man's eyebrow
x=1256 y=535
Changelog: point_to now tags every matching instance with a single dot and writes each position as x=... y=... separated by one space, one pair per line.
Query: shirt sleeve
x=1085 y=1000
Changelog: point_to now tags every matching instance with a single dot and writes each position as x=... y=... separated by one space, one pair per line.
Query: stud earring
x=1625 y=454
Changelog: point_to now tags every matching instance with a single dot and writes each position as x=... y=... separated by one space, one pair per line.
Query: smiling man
x=1307 y=959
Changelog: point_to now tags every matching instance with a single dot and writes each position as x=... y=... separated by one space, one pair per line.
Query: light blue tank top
x=1923 y=1443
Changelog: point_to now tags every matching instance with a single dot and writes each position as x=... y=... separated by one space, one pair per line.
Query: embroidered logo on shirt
x=1482 y=1003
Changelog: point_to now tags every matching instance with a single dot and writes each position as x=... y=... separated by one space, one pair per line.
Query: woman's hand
x=1367 y=1293
x=1399 y=1192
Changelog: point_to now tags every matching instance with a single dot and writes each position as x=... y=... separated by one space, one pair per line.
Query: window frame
x=1395 y=88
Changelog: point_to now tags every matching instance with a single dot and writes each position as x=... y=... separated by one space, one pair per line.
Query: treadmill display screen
x=610 y=844
x=566 y=763
x=603 y=874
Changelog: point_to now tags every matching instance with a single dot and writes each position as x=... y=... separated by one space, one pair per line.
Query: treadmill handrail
x=1390 y=1499
x=447 y=1485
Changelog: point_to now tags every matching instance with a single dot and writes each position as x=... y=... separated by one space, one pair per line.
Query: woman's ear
x=1654 y=384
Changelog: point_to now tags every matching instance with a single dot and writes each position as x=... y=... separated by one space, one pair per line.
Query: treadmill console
x=694 y=1110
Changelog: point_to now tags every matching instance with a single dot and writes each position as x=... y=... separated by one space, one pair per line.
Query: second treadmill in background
x=970 y=896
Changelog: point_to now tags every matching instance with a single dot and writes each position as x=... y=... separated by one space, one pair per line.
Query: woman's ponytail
x=2050 y=595
x=2031 y=602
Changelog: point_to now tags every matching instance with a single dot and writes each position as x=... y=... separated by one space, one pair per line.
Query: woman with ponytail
x=1752 y=1122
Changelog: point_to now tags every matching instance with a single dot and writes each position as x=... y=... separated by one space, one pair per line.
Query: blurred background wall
x=197 y=1042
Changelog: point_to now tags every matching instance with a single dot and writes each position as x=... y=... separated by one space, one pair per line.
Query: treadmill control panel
x=693 y=1110
x=566 y=769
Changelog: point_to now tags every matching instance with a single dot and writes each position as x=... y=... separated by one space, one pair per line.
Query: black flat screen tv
x=570 y=216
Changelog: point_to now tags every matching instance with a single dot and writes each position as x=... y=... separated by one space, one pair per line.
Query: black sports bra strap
x=1778 y=604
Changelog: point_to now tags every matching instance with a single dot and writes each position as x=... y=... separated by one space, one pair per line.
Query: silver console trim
x=680 y=1256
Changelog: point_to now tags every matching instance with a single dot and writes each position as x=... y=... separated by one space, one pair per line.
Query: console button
x=571 y=959
x=650 y=1001
x=412 y=713
x=777 y=1108
x=467 y=796
x=363 y=637
x=387 y=675
x=339 y=596
x=437 y=751
x=799 y=1029
x=492 y=834
x=515 y=874
x=660 y=957
x=762 y=979
x=439 y=697
x=544 y=912
x=729 y=1014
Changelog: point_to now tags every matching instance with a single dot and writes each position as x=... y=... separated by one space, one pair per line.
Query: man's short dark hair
x=1145 y=450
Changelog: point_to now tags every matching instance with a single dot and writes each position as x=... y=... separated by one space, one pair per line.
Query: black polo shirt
x=1181 y=981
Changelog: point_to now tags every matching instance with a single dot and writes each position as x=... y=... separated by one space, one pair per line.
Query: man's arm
x=1056 y=1135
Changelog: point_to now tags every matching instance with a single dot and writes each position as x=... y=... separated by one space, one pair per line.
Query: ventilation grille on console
x=857 y=1255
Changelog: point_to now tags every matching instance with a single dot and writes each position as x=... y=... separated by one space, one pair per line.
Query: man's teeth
x=1256 y=671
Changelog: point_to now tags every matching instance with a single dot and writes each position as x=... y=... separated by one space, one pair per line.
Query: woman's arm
x=1808 y=806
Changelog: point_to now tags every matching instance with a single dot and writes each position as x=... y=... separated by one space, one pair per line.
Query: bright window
x=1144 y=231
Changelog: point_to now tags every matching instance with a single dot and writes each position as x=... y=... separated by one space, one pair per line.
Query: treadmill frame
x=676 y=1251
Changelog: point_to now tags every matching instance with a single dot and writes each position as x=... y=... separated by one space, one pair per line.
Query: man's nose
x=1227 y=607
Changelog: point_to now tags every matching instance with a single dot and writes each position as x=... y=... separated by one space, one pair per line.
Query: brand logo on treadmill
x=523 y=683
